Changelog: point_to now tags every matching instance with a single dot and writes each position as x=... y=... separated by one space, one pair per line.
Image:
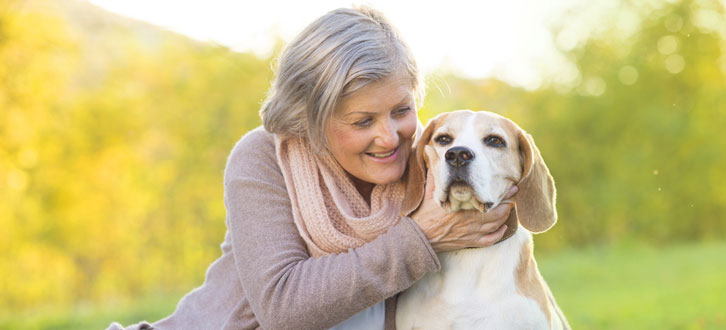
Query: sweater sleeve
x=286 y=288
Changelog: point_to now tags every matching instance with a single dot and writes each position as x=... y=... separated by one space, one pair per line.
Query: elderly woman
x=315 y=239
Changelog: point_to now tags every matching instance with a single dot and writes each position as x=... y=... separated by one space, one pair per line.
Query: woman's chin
x=386 y=177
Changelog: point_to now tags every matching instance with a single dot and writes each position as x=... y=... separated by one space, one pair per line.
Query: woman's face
x=372 y=130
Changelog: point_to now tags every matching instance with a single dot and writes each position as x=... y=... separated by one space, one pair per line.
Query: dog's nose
x=458 y=156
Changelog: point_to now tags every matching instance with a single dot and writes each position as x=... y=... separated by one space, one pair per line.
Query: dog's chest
x=476 y=288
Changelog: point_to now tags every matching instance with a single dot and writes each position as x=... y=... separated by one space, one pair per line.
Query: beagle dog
x=475 y=157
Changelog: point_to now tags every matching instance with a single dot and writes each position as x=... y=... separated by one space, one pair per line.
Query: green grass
x=98 y=317
x=677 y=287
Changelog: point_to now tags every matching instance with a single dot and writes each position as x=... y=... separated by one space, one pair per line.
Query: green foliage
x=636 y=143
x=114 y=136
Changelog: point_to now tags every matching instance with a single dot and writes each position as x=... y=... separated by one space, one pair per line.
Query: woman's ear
x=415 y=177
x=535 y=201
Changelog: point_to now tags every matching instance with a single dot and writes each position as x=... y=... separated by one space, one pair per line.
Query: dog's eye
x=494 y=141
x=443 y=139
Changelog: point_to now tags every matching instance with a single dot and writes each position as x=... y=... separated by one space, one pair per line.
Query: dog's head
x=475 y=158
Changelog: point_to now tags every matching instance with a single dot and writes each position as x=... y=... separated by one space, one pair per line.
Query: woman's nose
x=388 y=135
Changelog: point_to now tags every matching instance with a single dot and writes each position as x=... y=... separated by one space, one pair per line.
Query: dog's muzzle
x=460 y=192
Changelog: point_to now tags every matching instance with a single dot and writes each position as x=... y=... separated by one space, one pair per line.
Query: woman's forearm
x=285 y=287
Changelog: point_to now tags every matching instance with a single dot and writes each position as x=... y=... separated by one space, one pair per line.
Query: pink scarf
x=330 y=214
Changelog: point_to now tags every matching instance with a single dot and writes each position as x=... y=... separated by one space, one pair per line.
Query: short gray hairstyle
x=334 y=56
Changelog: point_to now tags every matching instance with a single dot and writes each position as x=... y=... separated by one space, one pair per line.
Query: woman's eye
x=401 y=111
x=364 y=122
x=443 y=139
x=494 y=141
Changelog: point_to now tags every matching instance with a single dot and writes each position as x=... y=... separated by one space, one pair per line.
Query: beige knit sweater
x=266 y=279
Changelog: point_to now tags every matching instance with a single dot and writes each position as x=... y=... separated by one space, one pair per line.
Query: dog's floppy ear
x=416 y=172
x=535 y=201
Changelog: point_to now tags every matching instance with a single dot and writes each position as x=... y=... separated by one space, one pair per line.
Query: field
x=678 y=287
x=681 y=287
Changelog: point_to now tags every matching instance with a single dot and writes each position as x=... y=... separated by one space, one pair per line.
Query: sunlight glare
x=509 y=40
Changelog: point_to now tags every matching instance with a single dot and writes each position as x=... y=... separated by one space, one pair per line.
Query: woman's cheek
x=410 y=124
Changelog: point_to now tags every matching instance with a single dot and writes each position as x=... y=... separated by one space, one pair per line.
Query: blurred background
x=115 y=125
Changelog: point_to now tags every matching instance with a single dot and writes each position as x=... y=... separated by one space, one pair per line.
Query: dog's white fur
x=497 y=287
x=491 y=173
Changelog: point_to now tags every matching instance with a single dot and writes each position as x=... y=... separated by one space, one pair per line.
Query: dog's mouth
x=459 y=195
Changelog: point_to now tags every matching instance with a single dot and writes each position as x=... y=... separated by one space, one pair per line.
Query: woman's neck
x=364 y=188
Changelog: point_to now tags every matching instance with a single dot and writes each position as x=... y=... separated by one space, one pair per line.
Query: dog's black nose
x=458 y=156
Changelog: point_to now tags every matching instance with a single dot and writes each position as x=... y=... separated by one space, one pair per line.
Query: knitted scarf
x=328 y=211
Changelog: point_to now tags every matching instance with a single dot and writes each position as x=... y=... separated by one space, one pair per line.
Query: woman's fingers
x=490 y=227
x=492 y=237
x=470 y=228
x=501 y=211
x=512 y=190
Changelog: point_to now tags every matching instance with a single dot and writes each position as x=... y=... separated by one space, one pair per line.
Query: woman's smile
x=384 y=156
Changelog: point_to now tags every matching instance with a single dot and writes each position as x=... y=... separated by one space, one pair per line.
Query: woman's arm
x=287 y=288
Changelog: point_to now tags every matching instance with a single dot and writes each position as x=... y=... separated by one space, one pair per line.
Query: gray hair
x=334 y=56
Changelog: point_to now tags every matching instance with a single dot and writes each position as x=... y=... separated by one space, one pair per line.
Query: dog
x=474 y=159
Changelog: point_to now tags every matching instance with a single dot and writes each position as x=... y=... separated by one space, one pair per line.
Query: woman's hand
x=462 y=229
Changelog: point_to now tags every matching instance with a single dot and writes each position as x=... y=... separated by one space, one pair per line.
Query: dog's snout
x=459 y=156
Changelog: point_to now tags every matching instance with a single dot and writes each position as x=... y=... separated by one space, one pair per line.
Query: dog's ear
x=415 y=177
x=535 y=201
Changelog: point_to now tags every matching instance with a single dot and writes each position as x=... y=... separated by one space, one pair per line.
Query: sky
x=506 y=39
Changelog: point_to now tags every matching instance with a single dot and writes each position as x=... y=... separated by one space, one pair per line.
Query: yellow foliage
x=114 y=136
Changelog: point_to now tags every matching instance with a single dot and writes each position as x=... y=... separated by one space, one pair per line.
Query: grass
x=677 y=287
x=98 y=316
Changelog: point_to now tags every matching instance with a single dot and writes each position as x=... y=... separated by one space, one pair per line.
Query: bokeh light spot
x=628 y=75
x=675 y=63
